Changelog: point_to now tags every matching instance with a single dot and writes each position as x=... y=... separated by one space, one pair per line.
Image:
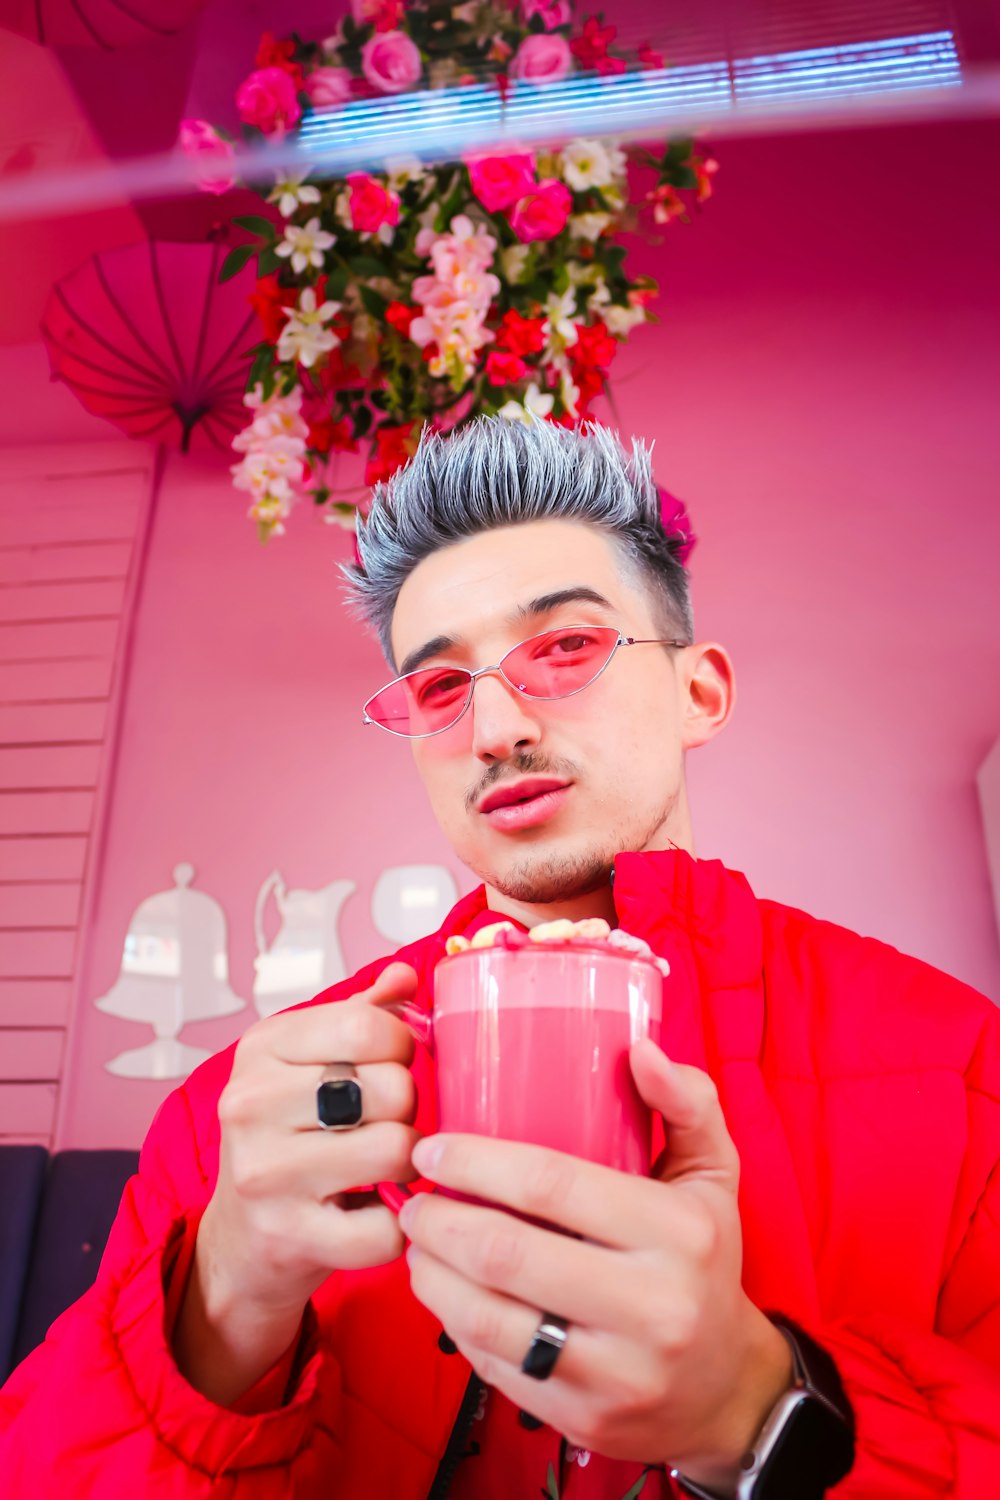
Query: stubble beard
x=551 y=875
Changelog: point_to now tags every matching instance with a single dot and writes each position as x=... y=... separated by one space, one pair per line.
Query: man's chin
x=541 y=879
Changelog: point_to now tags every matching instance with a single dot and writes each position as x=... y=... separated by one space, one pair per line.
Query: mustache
x=525 y=764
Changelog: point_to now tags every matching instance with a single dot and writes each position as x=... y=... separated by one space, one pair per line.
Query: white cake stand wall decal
x=175 y=969
x=305 y=956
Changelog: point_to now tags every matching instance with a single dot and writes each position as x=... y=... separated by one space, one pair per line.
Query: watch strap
x=816 y=1378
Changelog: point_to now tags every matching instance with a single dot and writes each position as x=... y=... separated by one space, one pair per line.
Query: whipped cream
x=588 y=932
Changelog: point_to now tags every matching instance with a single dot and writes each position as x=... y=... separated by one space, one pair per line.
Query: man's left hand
x=667 y=1360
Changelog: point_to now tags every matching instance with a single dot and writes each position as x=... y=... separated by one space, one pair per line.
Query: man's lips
x=520 y=791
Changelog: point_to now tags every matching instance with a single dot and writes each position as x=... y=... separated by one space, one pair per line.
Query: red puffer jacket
x=862 y=1089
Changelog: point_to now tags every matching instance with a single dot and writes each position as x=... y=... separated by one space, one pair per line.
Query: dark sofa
x=55 y=1216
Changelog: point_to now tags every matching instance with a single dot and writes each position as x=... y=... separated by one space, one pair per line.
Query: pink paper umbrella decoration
x=146 y=337
x=108 y=24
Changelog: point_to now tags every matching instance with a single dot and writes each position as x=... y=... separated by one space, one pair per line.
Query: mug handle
x=420 y=1022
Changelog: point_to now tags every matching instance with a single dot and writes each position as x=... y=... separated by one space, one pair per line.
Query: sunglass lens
x=422 y=702
x=560 y=662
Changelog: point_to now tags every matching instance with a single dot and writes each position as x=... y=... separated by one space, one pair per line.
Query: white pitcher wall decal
x=305 y=956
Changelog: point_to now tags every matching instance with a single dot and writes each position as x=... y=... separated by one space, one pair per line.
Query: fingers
x=284 y=1098
x=698 y=1139
x=354 y=1030
x=316 y=1166
x=608 y=1207
x=586 y=1283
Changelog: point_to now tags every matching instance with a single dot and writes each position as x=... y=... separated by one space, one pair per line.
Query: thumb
x=698 y=1140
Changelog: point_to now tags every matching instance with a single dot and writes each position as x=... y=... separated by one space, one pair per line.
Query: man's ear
x=708 y=692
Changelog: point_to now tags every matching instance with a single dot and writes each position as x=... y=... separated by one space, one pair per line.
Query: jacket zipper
x=456 y=1443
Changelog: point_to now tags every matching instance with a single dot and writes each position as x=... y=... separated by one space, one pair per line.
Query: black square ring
x=338 y=1100
x=545 y=1348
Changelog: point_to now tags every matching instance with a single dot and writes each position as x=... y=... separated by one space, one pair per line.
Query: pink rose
x=391 y=62
x=212 y=154
x=499 y=181
x=329 y=86
x=268 y=100
x=372 y=205
x=542 y=214
x=553 y=12
x=542 y=58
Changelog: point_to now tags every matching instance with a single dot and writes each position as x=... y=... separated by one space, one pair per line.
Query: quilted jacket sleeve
x=928 y=1402
x=100 y=1406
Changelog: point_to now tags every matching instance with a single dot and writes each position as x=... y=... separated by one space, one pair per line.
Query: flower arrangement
x=431 y=293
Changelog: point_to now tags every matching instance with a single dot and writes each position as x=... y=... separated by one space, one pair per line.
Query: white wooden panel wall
x=72 y=534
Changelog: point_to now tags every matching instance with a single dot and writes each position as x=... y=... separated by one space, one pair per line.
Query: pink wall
x=822 y=392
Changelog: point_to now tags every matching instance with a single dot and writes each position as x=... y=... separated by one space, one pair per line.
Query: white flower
x=560 y=329
x=513 y=261
x=600 y=296
x=289 y=192
x=305 y=337
x=570 y=393
x=587 y=164
x=536 y=405
x=467 y=12
x=305 y=245
x=588 y=226
x=402 y=170
x=621 y=320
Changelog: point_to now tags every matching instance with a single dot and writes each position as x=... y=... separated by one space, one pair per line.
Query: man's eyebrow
x=579 y=593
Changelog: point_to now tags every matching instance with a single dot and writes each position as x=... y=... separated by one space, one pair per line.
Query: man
x=816 y=1251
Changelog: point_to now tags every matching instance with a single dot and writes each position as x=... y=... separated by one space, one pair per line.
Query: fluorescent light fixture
x=445 y=122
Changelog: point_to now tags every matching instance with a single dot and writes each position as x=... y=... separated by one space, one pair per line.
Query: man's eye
x=568 y=645
x=441 y=689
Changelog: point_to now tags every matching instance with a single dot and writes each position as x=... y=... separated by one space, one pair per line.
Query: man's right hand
x=278 y=1222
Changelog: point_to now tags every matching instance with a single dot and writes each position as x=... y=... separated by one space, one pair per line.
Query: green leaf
x=362 y=421
x=254 y=224
x=373 y=302
x=366 y=265
x=267 y=261
x=235 y=261
x=379 y=400
x=261 y=368
x=551 y=1487
x=637 y=1488
x=336 y=283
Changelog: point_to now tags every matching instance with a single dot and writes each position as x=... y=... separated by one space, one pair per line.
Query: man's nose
x=502 y=718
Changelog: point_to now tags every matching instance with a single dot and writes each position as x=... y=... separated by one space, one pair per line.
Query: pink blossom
x=391 y=62
x=553 y=12
x=372 y=205
x=212 y=154
x=499 y=181
x=543 y=57
x=542 y=214
x=268 y=100
x=329 y=86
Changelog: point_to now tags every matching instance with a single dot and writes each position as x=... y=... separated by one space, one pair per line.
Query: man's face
x=615 y=749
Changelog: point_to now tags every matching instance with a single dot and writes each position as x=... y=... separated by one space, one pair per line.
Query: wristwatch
x=807 y=1443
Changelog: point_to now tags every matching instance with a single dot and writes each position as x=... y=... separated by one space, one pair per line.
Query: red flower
x=268 y=301
x=393 y=447
x=591 y=46
x=325 y=435
x=504 y=368
x=274 y=54
x=400 y=315
x=595 y=347
x=590 y=383
x=520 y=335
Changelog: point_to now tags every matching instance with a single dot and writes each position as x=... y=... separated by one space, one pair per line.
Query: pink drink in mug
x=531 y=1043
